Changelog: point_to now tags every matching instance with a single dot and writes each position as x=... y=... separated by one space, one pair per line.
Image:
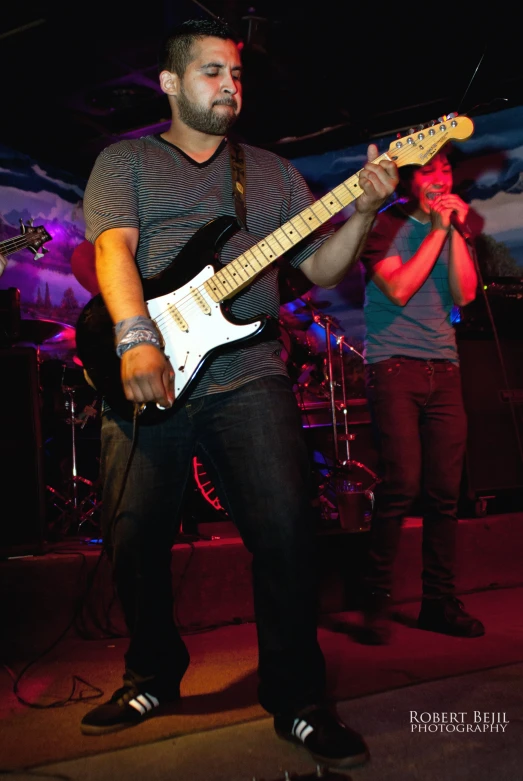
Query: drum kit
x=69 y=419
x=326 y=372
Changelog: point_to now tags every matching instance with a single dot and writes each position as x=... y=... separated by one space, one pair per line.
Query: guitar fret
x=260 y=246
x=274 y=244
x=238 y=269
x=259 y=257
x=354 y=189
x=226 y=272
x=211 y=292
x=330 y=202
x=217 y=284
x=341 y=192
x=291 y=223
x=326 y=207
x=261 y=265
x=307 y=225
x=284 y=242
x=313 y=209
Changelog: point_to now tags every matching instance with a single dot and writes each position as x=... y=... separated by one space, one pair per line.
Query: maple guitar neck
x=238 y=273
x=415 y=149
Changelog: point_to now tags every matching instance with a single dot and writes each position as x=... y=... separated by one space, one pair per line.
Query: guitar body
x=193 y=326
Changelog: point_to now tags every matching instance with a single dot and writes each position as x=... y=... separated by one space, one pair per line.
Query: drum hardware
x=80 y=503
x=355 y=504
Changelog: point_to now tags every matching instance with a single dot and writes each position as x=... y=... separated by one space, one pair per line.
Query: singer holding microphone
x=417 y=265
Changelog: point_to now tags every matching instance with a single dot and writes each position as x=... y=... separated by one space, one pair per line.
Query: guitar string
x=22 y=240
x=187 y=304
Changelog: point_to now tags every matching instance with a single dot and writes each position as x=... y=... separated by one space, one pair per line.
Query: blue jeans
x=252 y=443
x=419 y=420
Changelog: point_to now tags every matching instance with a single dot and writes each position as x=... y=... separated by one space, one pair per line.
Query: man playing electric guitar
x=147 y=199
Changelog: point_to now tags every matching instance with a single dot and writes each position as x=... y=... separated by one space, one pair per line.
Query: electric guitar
x=190 y=310
x=31 y=238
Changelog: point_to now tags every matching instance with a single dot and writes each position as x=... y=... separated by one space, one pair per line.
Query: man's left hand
x=3 y=264
x=377 y=180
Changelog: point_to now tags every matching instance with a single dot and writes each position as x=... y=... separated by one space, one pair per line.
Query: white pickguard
x=201 y=332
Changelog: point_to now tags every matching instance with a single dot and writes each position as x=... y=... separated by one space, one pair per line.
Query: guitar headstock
x=34 y=237
x=422 y=144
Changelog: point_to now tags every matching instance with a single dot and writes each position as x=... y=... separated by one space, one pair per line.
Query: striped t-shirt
x=422 y=328
x=152 y=185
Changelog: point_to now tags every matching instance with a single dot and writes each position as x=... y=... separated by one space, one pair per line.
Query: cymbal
x=308 y=307
x=47 y=333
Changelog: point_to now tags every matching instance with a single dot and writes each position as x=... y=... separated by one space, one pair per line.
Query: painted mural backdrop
x=52 y=198
x=489 y=176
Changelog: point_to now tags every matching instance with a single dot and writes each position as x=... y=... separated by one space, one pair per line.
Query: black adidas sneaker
x=329 y=741
x=128 y=706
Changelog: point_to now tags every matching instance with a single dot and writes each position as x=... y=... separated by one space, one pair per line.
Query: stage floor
x=219 y=732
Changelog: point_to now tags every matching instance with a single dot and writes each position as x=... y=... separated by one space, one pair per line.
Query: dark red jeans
x=420 y=426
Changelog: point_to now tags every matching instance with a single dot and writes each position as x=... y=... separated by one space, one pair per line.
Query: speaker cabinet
x=495 y=414
x=22 y=489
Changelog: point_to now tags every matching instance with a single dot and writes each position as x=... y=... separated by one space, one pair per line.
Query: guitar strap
x=271 y=329
x=237 y=159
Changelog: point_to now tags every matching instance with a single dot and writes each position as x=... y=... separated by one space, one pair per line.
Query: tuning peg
x=452 y=115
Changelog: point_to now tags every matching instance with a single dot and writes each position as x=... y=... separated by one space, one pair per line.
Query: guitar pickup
x=200 y=300
x=178 y=319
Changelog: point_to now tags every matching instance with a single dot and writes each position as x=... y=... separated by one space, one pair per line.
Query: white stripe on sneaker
x=301 y=730
x=305 y=733
x=143 y=703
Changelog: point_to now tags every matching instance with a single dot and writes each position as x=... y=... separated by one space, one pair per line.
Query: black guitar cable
x=90 y=580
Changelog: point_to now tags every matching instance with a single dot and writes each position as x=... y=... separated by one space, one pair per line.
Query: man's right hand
x=147 y=375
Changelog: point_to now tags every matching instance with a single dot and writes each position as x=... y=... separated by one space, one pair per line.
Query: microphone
x=461 y=227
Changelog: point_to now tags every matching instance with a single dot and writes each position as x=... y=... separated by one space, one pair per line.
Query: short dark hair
x=175 y=51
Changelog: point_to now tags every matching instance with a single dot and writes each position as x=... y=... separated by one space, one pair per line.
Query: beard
x=205 y=120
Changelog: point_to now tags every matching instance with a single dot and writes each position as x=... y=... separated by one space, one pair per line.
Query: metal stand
x=75 y=509
x=355 y=504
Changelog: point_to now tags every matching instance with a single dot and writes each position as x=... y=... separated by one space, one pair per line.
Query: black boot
x=376 y=618
x=448 y=616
